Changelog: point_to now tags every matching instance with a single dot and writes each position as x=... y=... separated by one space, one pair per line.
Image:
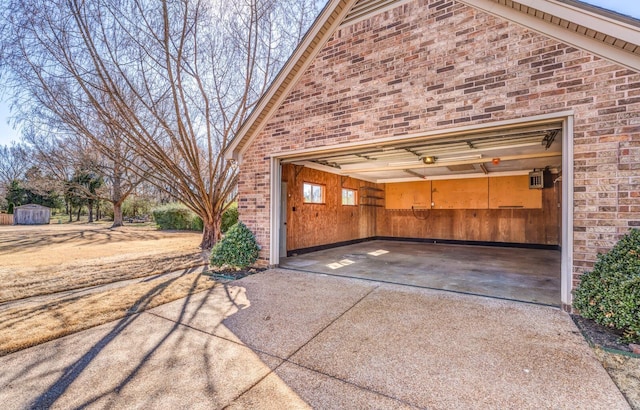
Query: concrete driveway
x=284 y=339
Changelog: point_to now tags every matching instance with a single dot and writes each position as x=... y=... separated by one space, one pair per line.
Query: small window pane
x=348 y=196
x=307 y=192
x=313 y=193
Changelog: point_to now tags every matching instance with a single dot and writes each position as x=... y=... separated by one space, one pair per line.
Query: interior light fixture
x=429 y=160
x=495 y=161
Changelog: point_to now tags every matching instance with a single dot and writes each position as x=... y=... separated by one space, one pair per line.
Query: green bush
x=135 y=206
x=238 y=249
x=176 y=216
x=229 y=218
x=610 y=294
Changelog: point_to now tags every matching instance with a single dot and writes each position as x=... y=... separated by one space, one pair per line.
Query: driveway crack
x=286 y=360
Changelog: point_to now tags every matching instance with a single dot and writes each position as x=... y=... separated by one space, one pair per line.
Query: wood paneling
x=531 y=226
x=311 y=225
x=470 y=193
x=513 y=192
x=406 y=195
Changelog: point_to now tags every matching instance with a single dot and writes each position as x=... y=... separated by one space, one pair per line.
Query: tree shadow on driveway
x=55 y=391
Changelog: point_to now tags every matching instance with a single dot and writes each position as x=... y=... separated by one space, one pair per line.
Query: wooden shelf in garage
x=371 y=196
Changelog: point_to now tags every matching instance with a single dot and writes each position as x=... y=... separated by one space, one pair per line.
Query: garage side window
x=313 y=194
x=349 y=196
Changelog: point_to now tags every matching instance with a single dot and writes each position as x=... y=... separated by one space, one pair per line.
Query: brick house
x=480 y=121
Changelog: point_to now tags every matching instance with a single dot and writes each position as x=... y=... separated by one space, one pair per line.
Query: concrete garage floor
x=529 y=275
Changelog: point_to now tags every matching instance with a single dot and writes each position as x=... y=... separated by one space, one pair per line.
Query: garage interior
x=476 y=212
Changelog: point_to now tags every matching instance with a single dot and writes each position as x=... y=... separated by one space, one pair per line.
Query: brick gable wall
x=429 y=65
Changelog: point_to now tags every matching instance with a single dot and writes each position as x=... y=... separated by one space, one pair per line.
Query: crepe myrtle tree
x=173 y=79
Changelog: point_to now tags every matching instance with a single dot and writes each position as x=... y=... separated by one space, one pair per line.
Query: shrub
x=176 y=216
x=229 y=218
x=238 y=249
x=610 y=294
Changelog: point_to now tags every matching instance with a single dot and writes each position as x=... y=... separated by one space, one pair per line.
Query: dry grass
x=28 y=281
x=26 y=326
x=49 y=259
x=45 y=260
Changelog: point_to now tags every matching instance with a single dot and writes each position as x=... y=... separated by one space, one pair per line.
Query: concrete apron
x=284 y=339
x=524 y=274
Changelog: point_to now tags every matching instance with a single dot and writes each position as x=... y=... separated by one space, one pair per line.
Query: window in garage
x=313 y=193
x=349 y=196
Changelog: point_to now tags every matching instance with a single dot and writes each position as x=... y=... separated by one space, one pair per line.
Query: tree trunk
x=78 y=218
x=90 y=207
x=117 y=214
x=116 y=195
x=98 y=211
x=211 y=232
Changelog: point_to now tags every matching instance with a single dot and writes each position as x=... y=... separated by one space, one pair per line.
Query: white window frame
x=313 y=186
x=354 y=197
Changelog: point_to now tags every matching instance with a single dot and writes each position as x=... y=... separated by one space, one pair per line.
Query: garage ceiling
x=492 y=153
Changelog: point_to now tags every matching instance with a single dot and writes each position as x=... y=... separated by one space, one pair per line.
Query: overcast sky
x=628 y=7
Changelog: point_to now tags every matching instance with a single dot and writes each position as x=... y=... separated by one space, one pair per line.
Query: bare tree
x=14 y=162
x=173 y=79
x=64 y=156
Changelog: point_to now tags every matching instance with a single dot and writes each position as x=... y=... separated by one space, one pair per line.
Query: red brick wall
x=429 y=65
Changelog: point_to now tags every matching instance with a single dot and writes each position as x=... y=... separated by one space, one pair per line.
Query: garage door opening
x=499 y=188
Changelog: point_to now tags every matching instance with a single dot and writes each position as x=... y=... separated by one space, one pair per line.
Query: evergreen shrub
x=229 y=218
x=177 y=216
x=238 y=249
x=610 y=293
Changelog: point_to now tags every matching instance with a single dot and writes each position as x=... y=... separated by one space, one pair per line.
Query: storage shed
x=486 y=122
x=31 y=214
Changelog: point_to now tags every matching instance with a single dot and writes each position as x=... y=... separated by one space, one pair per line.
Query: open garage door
x=492 y=186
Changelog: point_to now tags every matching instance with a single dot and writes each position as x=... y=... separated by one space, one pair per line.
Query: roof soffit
x=612 y=39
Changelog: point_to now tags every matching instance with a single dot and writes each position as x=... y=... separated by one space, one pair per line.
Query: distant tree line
x=83 y=190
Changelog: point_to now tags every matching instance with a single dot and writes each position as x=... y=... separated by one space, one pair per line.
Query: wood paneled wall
x=310 y=225
x=529 y=226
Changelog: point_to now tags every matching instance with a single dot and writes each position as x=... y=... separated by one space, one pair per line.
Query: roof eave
x=577 y=15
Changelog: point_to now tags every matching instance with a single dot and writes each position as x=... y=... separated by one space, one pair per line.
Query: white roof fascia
x=587 y=18
x=606 y=51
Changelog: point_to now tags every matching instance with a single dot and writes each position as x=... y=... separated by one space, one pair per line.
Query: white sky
x=627 y=7
x=7 y=133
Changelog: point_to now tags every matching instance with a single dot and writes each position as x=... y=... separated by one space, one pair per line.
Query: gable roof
x=606 y=34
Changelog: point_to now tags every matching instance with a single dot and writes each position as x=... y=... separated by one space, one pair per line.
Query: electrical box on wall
x=540 y=178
